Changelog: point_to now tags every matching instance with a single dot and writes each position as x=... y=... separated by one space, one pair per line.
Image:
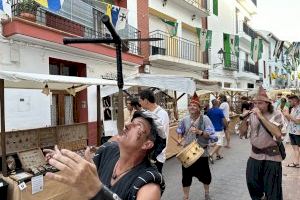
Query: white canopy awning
x=234 y=90
x=54 y=82
x=165 y=82
x=205 y=84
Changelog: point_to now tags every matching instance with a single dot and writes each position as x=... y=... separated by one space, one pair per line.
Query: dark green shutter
x=215 y=7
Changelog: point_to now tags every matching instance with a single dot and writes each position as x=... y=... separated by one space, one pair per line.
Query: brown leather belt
x=270 y=151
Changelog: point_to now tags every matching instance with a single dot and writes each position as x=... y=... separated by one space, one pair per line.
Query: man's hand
x=257 y=112
x=286 y=114
x=195 y=130
x=77 y=172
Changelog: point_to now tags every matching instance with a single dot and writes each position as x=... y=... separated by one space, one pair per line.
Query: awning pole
x=3 y=140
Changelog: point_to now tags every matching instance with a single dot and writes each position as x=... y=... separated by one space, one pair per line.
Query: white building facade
x=36 y=47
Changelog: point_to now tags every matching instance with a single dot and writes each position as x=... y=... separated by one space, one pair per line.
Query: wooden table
x=52 y=191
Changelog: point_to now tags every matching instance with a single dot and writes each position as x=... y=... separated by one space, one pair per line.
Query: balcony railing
x=201 y=4
x=176 y=47
x=233 y=64
x=249 y=31
x=248 y=67
x=82 y=19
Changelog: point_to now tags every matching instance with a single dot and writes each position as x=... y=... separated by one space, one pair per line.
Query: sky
x=281 y=17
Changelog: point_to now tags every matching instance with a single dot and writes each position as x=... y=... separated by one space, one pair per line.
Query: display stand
x=52 y=190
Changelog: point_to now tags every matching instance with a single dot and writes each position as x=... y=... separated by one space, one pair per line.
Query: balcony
x=248 y=67
x=198 y=7
x=177 y=52
x=247 y=34
x=249 y=72
x=233 y=64
x=76 y=18
x=249 y=5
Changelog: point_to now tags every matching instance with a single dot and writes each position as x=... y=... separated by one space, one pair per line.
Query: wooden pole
x=99 y=131
x=3 y=140
x=175 y=106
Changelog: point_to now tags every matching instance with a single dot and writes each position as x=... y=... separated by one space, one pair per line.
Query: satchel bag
x=279 y=143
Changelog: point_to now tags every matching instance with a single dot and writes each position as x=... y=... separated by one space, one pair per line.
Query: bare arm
x=289 y=117
x=149 y=191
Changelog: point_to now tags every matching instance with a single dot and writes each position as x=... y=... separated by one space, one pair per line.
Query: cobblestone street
x=228 y=177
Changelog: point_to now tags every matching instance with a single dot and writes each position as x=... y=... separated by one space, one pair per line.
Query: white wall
x=26 y=109
x=175 y=11
x=132 y=13
x=35 y=59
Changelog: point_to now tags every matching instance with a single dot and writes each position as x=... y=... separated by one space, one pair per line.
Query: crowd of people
x=130 y=165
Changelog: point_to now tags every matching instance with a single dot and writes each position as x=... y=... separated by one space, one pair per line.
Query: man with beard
x=119 y=170
x=264 y=170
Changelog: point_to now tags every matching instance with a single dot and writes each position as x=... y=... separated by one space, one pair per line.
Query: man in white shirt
x=224 y=106
x=147 y=101
x=294 y=129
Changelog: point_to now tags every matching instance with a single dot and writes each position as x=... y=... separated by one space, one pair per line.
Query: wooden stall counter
x=52 y=190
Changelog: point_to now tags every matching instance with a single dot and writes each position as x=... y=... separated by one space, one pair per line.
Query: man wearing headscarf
x=196 y=126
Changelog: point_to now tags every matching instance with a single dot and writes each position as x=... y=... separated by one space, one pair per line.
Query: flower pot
x=28 y=16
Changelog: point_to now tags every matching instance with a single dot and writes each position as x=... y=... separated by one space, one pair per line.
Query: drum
x=190 y=154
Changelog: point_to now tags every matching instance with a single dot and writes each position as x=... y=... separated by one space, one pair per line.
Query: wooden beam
x=175 y=105
x=3 y=139
x=180 y=96
x=99 y=130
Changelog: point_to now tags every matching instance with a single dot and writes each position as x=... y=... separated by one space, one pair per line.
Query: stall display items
x=33 y=161
x=23 y=176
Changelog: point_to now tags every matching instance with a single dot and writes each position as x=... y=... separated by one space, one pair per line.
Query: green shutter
x=215 y=7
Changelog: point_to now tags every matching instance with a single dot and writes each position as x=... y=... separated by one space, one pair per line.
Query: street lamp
x=221 y=55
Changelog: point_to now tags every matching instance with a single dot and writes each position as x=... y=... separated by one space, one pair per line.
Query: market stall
x=27 y=143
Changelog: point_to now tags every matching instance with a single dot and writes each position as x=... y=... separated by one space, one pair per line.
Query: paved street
x=228 y=177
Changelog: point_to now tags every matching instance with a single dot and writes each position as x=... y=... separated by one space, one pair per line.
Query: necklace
x=115 y=175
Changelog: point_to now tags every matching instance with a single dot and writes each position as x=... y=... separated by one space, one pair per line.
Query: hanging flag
x=278 y=48
x=117 y=15
x=296 y=56
x=171 y=26
x=293 y=75
x=53 y=5
x=256 y=49
x=215 y=7
x=204 y=38
x=274 y=75
x=122 y=19
x=108 y=10
x=231 y=48
x=5 y=7
x=114 y=15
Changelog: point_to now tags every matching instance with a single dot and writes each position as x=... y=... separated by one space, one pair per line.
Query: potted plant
x=27 y=9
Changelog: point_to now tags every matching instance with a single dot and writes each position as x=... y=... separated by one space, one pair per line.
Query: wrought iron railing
x=249 y=31
x=176 y=47
x=80 y=18
x=248 y=67
x=231 y=62
x=201 y=4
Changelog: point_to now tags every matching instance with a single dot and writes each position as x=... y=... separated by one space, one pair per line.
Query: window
x=250 y=85
x=64 y=107
x=227 y=85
